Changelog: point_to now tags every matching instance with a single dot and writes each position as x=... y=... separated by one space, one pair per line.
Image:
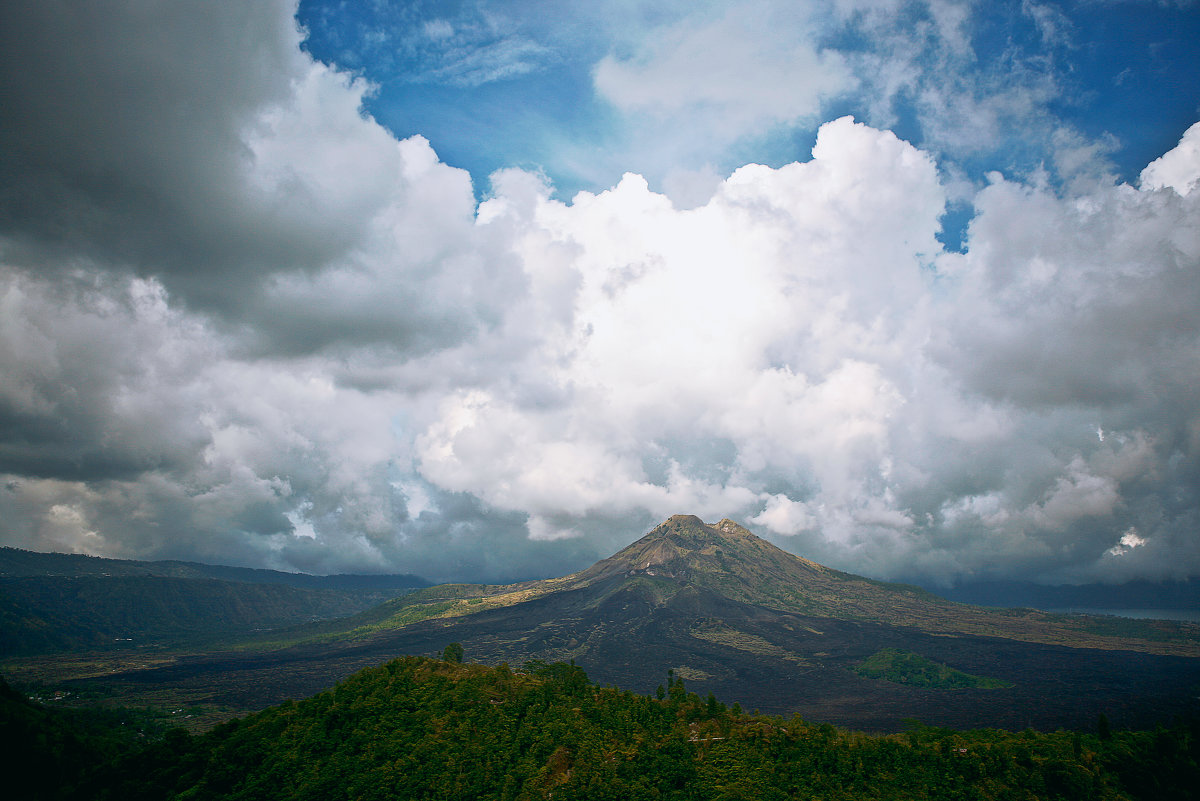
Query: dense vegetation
x=905 y=667
x=423 y=728
x=44 y=751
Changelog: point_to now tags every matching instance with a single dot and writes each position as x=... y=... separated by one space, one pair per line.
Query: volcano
x=731 y=614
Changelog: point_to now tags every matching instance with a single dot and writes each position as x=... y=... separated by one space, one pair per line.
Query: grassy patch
x=914 y=670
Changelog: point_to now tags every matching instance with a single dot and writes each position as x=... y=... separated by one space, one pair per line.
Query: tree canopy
x=438 y=729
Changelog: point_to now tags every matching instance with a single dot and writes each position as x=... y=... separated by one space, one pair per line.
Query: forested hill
x=48 y=614
x=422 y=728
x=52 y=602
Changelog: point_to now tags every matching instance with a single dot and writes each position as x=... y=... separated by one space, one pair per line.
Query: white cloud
x=705 y=81
x=757 y=65
x=1178 y=168
x=802 y=328
x=761 y=323
x=1129 y=540
x=1052 y=24
x=1077 y=494
x=782 y=515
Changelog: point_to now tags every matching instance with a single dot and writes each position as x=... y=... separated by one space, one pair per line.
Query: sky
x=484 y=290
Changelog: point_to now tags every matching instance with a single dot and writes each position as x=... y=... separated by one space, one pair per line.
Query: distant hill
x=15 y=562
x=66 y=613
x=69 y=602
x=1129 y=595
x=736 y=616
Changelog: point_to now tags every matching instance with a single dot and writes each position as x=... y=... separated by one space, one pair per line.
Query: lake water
x=1191 y=615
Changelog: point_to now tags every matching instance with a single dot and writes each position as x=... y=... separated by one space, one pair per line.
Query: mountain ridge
x=52 y=602
x=21 y=563
x=1163 y=595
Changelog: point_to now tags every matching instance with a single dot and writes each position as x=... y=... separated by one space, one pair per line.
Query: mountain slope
x=736 y=616
x=731 y=562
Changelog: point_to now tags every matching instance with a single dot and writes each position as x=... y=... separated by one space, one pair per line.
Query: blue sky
x=504 y=84
x=485 y=290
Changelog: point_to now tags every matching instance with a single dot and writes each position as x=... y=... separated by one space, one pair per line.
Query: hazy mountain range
x=56 y=602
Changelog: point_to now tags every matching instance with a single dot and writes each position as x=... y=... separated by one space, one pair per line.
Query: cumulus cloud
x=705 y=326
x=286 y=338
x=220 y=160
x=1179 y=168
x=804 y=330
x=212 y=258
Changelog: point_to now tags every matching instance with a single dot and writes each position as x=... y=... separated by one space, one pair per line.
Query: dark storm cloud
x=122 y=132
x=92 y=378
x=196 y=144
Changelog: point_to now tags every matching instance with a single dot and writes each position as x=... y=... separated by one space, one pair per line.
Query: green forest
x=421 y=728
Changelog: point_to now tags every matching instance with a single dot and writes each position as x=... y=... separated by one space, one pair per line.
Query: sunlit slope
x=726 y=560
